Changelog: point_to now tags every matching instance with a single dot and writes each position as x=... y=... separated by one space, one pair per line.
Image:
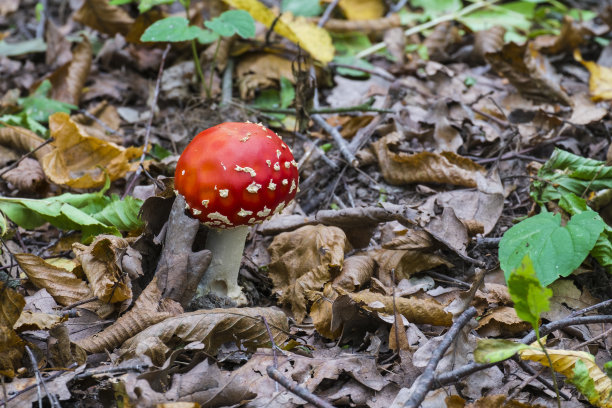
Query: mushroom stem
x=221 y=277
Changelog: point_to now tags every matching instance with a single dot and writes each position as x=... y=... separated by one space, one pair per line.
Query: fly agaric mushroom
x=234 y=175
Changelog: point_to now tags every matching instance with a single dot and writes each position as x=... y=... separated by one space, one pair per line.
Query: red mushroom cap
x=235 y=174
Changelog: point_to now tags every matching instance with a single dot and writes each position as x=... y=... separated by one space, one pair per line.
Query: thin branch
x=296 y=389
x=130 y=186
x=40 y=381
x=29 y=387
x=364 y=107
x=327 y=13
x=423 y=384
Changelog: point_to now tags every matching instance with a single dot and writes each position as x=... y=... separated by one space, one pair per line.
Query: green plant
x=177 y=29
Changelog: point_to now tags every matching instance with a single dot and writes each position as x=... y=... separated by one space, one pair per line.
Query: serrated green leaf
x=304 y=8
x=494 y=350
x=233 y=22
x=146 y=5
x=529 y=296
x=287 y=92
x=554 y=250
x=176 y=29
x=583 y=381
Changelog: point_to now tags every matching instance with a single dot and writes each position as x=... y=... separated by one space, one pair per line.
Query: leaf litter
x=464 y=119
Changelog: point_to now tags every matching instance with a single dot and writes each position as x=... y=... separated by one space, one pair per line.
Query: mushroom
x=234 y=175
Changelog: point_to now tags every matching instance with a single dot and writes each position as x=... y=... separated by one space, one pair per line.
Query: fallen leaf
x=11 y=351
x=23 y=140
x=356 y=272
x=81 y=161
x=11 y=305
x=362 y=9
x=315 y=40
x=105 y=124
x=212 y=327
x=104 y=17
x=405 y=263
x=38 y=321
x=600 y=82
x=27 y=176
x=304 y=260
x=69 y=80
x=501 y=321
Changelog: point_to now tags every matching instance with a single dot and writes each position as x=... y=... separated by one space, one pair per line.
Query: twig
x=40 y=381
x=364 y=107
x=535 y=375
x=592 y=307
x=80 y=302
x=226 y=84
x=272 y=343
x=90 y=373
x=376 y=72
x=423 y=384
x=296 y=389
x=98 y=121
x=338 y=139
x=28 y=154
x=130 y=186
x=327 y=13
x=29 y=387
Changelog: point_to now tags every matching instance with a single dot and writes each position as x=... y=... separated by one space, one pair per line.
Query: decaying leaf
x=23 y=140
x=213 y=328
x=38 y=321
x=107 y=122
x=82 y=161
x=564 y=362
x=259 y=71
x=304 y=260
x=69 y=79
x=11 y=305
x=27 y=176
x=416 y=310
x=425 y=167
x=101 y=262
x=356 y=272
x=455 y=401
x=11 y=351
x=501 y=321
x=103 y=17
x=405 y=263
x=299 y=30
x=529 y=71
x=61 y=284
x=62 y=352
x=321 y=311
x=148 y=310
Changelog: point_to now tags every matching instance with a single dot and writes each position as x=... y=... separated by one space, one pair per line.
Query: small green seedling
x=177 y=29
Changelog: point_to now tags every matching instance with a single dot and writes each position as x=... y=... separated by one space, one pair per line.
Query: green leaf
x=567 y=173
x=305 y=8
x=350 y=43
x=175 y=29
x=22 y=47
x=608 y=368
x=119 y=2
x=583 y=381
x=23 y=120
x=435 y=8
x=91 y=213
x=494 y=350
x=529 y=296
x=38 y=107
x=287 y=92
x=554 y=250
x=356 y=62
x=514 y=15
x=146 y=5
x=233 y=22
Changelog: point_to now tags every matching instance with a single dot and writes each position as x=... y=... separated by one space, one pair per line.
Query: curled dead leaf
x=404 y=263
x=356 y=272
x=11 y=351
x=38 y=321
x=69 y=80
x=101 y=263
x=304 y=260
x=102 y=122
x=23 y=140
x=213 y=328
x=11 y=305
x=104 y=17
x=82 y=161
x=27 y=176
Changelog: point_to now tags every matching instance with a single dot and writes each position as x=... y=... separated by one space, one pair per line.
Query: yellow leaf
x=81 y=161
x=362 y=9
x=563 y=362
x=600 y=83
x=313 y=39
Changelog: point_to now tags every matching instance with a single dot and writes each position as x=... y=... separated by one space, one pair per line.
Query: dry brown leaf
x=8 y=7
x=105 y=128
x=564 y=361
x=321 y=312
x=418 y=311
x=356 y=272
x=395 y=40
x=349 y=125
x=103 y=17
x=411 y=239
x=584 y=111
x=62 y=352
x=304 y=260
x=81 y=161
x=61 y=284
x=101 y=262
x=530 y=72
x=405 y=262
x=69 y=80
x=38 y=321
x=27 y=176
x=23 y=140
x=490 y=401
x=501 y=321
x=425 y=167
x=11 y=351
x=213 y=328
x=259 y=71
x=486 y=41
x=444 y=36
x=446 y=137
x=58 y=47
x=148 y=310
x=11 y=305
x=573 y=34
